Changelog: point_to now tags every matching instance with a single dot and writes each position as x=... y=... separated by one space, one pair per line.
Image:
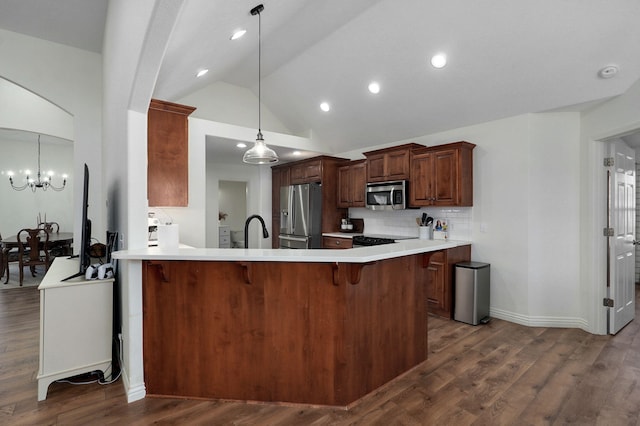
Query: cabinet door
x=437 y=297
x=446 y=181
x=344 y=186
x=168 y=154
x=358 y=184
x=397 y=165
x=421 y=180
x=376 y=169
x=306 y=172
x=297 y=174
x=313 y=172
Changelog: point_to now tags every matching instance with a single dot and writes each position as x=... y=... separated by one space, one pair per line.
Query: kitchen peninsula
x=321 y=327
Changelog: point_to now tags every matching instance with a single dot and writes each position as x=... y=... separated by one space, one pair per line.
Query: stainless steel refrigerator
x=301 y=216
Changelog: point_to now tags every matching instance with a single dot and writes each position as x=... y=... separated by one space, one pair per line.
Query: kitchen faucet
x=265 y=233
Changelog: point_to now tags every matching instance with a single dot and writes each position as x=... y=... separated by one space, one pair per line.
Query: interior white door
x=622 y=252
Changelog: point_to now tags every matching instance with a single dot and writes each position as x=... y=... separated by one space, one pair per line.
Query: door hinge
x=609 y=162
x=607 y=302
x=607 y=232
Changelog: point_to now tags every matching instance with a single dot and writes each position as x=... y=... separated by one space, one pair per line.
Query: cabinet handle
x=338 y=243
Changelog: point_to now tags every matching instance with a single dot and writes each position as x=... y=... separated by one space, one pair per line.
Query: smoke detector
x=608 y=71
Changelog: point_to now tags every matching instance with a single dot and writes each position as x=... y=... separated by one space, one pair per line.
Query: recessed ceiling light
x=202 y=72
x=374 y=87
x=325 y=107
x=237 y=34
x=241 y=145
x=439 y=60
x=296 y=153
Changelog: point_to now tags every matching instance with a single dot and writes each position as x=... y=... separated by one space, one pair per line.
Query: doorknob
x=635 y=242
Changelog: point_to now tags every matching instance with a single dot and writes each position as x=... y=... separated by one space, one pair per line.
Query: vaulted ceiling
x=505 y=58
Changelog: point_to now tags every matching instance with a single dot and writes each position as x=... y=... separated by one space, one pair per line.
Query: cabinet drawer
x=223 y=230
x=224 y=240
x=337 y=243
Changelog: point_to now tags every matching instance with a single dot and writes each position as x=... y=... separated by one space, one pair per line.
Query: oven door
x=387 y=195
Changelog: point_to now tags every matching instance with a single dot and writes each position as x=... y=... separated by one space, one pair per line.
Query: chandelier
x=260 y=153
x=43 y=183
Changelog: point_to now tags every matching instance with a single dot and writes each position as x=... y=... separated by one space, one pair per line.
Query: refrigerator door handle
x=292 y=210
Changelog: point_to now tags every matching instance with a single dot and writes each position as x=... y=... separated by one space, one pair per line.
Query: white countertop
x=354 y=255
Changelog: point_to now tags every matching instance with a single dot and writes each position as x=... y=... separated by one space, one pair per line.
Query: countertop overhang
x=354 y=255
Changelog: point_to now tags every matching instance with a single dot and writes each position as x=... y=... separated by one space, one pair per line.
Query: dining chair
x=6 y=258
x=50 y=227
x=33 y=250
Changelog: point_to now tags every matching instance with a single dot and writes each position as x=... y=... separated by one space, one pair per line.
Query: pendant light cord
x=259 y=73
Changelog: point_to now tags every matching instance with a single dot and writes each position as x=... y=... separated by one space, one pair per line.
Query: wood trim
x=159 y=105
x=393 y=148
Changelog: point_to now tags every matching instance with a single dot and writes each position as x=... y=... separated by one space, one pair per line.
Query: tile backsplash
x=403 y=222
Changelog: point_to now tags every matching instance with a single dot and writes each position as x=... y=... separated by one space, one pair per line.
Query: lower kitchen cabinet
x=440 y=273
x=337 y=243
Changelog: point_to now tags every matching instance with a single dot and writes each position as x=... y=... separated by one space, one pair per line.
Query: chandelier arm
x=39 y=183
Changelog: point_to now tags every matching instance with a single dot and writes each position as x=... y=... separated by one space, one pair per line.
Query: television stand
x=73 y=341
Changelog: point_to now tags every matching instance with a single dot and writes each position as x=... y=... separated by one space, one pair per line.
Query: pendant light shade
x=260 y=153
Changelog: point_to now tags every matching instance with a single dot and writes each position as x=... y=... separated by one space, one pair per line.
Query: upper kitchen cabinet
x=442 y=175
x=352 y=182
x=389 y=163
x=306 y=171
x=168 y=154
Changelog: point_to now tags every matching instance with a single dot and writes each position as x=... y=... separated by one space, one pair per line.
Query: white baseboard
x=134 y=393
x=540 y=321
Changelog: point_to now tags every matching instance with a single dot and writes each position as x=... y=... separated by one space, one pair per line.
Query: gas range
x=375 y=240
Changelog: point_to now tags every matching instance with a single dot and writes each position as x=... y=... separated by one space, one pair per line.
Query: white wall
x=24 y=110
x=70 y=78
x=231 y=104
x=21 y=208
x=232 y=198
x=136 y=34
x=257 y=183
x=525 y=168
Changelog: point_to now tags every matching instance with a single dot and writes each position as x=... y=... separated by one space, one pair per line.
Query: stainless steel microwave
x=387 y=195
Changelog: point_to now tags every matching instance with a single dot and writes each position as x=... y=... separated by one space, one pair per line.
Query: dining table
x=60 y=241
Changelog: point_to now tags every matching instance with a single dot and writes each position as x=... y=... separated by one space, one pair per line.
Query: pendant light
x=260 y=153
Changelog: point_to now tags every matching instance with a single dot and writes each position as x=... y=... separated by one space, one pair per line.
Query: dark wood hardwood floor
x=496 y=374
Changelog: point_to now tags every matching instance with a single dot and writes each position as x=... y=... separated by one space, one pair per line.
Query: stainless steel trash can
x=472 y=292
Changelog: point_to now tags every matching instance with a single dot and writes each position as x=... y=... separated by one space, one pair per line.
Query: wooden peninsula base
x=323 y=333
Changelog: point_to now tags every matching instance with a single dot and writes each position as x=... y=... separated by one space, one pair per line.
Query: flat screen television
x=85 y=240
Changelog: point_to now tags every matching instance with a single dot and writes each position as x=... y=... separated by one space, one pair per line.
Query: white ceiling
x=506 y=57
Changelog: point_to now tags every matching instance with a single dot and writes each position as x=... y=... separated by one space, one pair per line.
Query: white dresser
x=76 y=324
x=224 y=237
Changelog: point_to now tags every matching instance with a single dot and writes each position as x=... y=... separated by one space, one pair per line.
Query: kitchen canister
x=424 y=232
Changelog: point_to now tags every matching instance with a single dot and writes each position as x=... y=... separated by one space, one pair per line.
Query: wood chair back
x=33 y=250
x=7 y=256
x=50 y=227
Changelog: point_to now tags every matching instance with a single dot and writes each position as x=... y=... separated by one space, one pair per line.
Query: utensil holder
x=424 y=232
